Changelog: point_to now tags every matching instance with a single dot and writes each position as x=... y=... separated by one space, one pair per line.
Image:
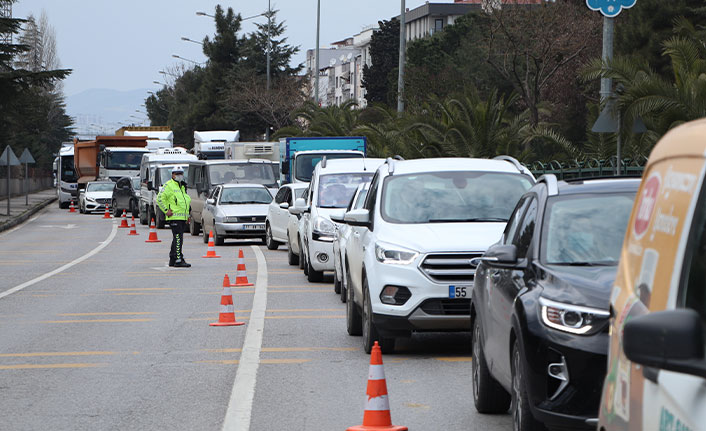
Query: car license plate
x=459 y=291
x=252 y=227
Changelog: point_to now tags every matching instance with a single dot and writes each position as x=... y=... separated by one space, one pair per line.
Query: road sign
x=610 y=8
x=13 y=158
x=26 y=157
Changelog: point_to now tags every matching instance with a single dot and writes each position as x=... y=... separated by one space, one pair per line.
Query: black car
x=540 y=304
x=126 y=196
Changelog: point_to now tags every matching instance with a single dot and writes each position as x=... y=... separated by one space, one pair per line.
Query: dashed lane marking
x=262 y=361
x=40 y=354
x=289 y=349
x=47 y=366
x=112 y=313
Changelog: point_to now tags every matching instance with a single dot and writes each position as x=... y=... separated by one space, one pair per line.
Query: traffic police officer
x=176 y=204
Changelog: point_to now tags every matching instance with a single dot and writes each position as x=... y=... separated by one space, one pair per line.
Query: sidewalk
x=19 y=212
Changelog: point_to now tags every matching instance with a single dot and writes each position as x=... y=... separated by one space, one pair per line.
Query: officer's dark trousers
x=178 y=228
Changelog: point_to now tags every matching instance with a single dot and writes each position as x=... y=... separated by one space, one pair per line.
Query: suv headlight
x=574 y=319
x=323 y=229
x=394 y=254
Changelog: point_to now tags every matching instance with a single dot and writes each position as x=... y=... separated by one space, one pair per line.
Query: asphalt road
x=98 y=333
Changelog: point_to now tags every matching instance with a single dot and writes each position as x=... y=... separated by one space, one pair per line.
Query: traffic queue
x=584 y=298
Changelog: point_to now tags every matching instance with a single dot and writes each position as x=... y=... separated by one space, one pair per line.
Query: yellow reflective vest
x=173 y=197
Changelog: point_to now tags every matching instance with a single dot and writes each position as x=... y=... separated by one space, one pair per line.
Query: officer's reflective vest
x=173 y=197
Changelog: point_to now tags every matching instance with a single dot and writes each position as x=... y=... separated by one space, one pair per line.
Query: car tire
x=116 y=211
x=144 y=216
x=217 y=239
x=292 y=258
x=194 y=228
x=344 y=284
x=370 y=332
x=159 y=220
x=64 y=205
x=354 y=322
x=134 y=208
x=269 y=241
x=336 y=283
x=522 y=419
x=488 y=395
x=301 y=256
x=205 y=235
x=313 y=275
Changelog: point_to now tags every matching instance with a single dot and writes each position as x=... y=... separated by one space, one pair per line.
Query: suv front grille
x=450 y=267
x=250 y=219
x=447 y=307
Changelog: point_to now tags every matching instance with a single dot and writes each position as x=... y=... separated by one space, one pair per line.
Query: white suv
x=332 y=186
x=426 y=224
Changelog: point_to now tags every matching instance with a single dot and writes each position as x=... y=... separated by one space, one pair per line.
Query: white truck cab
x=211 y=145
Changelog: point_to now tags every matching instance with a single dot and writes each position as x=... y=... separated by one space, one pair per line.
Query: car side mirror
x=669 y=340
x=301 y=203
x=500 y=254
x=338 y=217
x=360 y=217
x=284 y=205
x=210 y=201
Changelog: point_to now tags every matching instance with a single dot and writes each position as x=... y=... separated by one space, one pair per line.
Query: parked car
x=343 y=233
x=656 y=377
x=332 y=186
x=126 y=196
x=540 y=303
x=425 y=223
x=278 y=213
x=96 y=196
x=236 y=211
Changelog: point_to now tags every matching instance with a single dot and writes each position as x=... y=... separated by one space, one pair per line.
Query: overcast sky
x=122 y=45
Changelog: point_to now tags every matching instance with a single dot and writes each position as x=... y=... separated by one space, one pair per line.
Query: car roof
x=297 y=186
x=240 y=185
x=402 y=167
x=589 y=185
x=352 y=165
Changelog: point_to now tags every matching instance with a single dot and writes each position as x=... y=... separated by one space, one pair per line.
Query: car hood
x=99 y=195
x=587 y=286
x=243 y=210
x=444 y=237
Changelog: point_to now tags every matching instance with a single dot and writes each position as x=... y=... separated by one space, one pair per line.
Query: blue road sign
x=610 y=8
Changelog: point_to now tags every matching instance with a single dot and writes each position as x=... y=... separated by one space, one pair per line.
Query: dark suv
x=540 y=304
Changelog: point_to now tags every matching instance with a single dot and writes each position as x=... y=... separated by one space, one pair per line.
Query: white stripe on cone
x=376 y=372
x=380 y=403
x=227 y=308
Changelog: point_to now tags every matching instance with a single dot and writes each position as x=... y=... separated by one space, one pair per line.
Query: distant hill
x=100 y=110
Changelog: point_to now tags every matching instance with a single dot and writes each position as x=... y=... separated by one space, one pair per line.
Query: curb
x=26 y=215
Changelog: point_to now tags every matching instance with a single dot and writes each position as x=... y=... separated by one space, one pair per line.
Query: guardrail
x=588 y=168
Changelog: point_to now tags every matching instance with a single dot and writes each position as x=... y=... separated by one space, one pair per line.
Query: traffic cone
x=133 y=231
x=377 y=406
x=72 y=209
x=123 y=221
x=153 y=233
x=226 y=281
x=241 y=275
x=107 y=211
x=211 y=251
x=227 y=315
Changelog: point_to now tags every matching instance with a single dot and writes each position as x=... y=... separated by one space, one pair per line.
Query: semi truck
x=299 y=156
x=211 y=145
x=108 y=157
x=65 y=175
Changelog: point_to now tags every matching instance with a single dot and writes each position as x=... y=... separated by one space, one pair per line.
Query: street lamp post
x=403 y=49
x=269 y=49
x=318 y=31
x=186 y=59
x=186 y=39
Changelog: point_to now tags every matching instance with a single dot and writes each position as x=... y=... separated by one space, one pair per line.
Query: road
x=98 y=333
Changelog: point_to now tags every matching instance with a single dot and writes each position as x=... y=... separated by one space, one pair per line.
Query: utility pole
x=316 y=72
x=269 y=48
x=403 y=52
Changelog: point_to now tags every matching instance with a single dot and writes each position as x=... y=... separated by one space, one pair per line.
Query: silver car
x=236 y=211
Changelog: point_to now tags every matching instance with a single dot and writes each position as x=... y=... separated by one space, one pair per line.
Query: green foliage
x=380 y=79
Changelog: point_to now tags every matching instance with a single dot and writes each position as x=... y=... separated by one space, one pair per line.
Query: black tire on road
x=116 y=211
x=292 y=258
x=354 y=323
x=522 y=419
x=205 y=235
x=488 y=395
x=134 y=208
x=195 y=228
x=269 y=241
x=144 y=216
x=217 y=239
x=302 y=257
x=313 y=275
x=336 y=283
x=344 y=283
x=370 y=332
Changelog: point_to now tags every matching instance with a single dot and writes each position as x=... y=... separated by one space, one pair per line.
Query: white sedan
x=278 y=214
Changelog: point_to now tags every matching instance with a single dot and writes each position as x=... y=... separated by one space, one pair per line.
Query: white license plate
x=252 y=227
x=459 y=291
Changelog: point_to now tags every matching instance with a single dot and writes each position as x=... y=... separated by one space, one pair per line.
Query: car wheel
x=370 y=332
x=292 y=258
x=344 y=284
x=205 y=234
x=269 y=241
x=217 y=239
x=522 y=419
x=159 y=220
x=488 y=395
x=80 y=209
x=302 y=257
x=116 y=212
x=354 y=323
x=194 y=228
x=134 y=208
x=336 y=283
x=64 y=205
x=144 y=215
x=313 y=275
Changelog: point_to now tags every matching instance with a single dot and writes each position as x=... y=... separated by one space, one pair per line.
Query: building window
x=438 y=25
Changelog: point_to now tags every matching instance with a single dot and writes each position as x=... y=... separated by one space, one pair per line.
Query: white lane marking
x=68 y=226
x=240 y=405
x=93 y=252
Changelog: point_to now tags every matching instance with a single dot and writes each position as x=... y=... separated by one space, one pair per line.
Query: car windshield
x=245 y=195
x=448 y=197
x=67 y=169
x=124 y=160
x=136 y=183
x=100 y=187
x=256 y=173
x=305 y=163
x=165 y=174
x=585 y=229
x=337 y=190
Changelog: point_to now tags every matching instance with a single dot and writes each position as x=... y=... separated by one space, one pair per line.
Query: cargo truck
x=108 y=157
x=255 y=150
x=211 y=145
x=299 y=156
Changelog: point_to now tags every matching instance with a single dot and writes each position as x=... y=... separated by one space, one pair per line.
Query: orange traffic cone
x=241 y=275
x=123 y=220
x=107 y=211
x=227 y=315
x=72 y=208
x=153 y=233
x=133 y=230
x=211 y=251
x=377 y=406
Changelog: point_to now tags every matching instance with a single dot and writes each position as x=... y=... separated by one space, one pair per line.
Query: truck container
x=255 y=150
x=211 y=145
x=108 y=157
x=299 y=156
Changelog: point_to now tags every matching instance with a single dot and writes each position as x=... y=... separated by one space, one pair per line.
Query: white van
x=148 y=191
